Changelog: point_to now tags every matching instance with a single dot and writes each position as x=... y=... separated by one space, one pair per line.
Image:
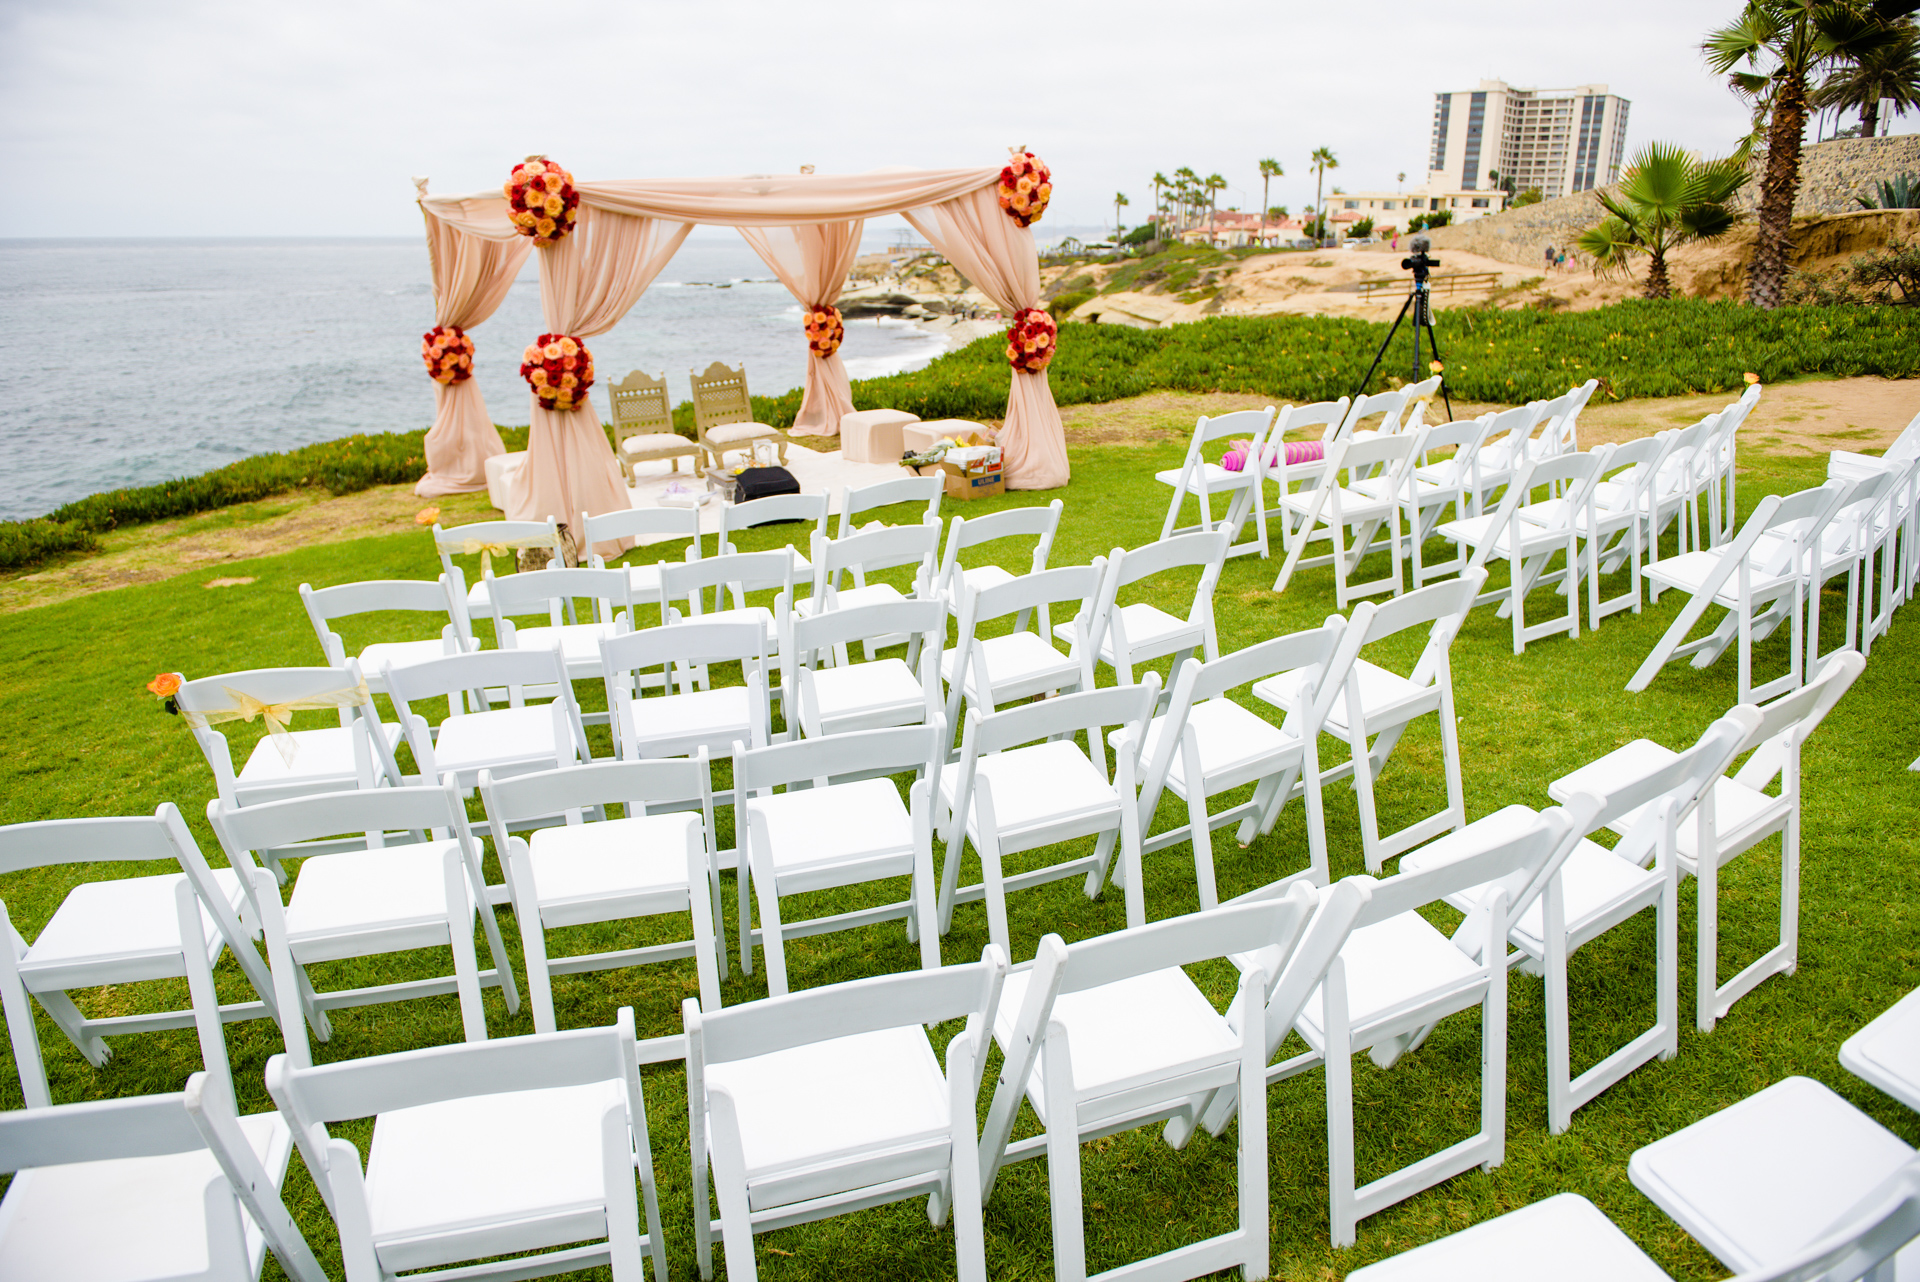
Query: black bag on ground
x=764 y=482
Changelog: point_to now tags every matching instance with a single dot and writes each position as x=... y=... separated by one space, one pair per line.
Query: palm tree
x=1322 y=160
x=1120 y=202
x=1888 y=67
x=1782 y=44
x=1185 y=178
x=1214 y=185
x=1269 y=170
x=1159 y=209
x=1666 y=199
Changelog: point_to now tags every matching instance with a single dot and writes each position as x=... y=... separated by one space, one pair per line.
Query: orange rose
x=165 y=685
x=553 y=352
x=1751 y=377
x=538 y=378
x=426 y=516
x=568 y=347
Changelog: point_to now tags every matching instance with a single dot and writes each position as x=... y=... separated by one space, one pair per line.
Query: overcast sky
x=216 y=118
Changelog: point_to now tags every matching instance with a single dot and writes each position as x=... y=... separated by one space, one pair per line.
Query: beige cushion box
x=873 y=436
x=731 y=432
x=919 y=437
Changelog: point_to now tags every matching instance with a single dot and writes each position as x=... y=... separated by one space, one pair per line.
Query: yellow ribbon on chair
x=246 y=708
x=489 y=549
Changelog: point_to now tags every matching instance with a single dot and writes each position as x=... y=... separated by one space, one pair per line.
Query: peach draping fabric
x=588 y=281
x=471 y=276
x=998 y=255
x=812 y=260
x=781 y=200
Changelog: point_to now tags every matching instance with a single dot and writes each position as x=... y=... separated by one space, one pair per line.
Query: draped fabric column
x=588 y=281
x=998 y=255
x=812 y=260
x=472 y=272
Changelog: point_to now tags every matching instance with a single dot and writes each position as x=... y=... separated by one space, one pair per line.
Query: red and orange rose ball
x=1031 y=340
x=1026 y=185
x=448 y=353
x=559 y=369
x=825 y=331
x=541 y=201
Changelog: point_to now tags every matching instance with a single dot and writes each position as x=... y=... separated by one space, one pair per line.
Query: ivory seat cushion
x=740 y=432
x=657 y=445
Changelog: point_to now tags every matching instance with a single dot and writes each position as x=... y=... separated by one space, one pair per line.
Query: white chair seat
x=398 y=893
x=1689 y=572
x=1739 y=811
x=1354 y=504
x=1763 y=1178
x=815 y=828
x=1536 y=534
x=984 y=577
x=603 y=866
x=1103 y=1032
x=1017 y=664
x=884 y=685
x=126 y=1218
x=1217 y=479
x=671 y=724
x=1379 y=688
x=1151 y=633
x=1398 y=963
x=473 y=741
x=1886 y=1052
x=1231 y=738
x=322 y=754
x=442 y=1177
x=731 y=432
x=1564 y=1237
x=852 y=598
x=817 y=1105
x=579 y=642
x=1595 y=881
x=644 y=445
x=128 y=926
x=1051 y=783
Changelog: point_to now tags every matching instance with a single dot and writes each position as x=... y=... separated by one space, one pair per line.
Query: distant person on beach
x=1396 y=240
x=1549 y=258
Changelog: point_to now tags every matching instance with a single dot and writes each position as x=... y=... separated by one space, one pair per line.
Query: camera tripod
x=1420 y=302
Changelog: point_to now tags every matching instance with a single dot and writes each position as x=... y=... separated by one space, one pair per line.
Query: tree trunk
x=1658 y=283
x=1870 y=119
x=1773 y=239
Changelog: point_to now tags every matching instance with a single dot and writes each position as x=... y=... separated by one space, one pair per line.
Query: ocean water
x=126 y=362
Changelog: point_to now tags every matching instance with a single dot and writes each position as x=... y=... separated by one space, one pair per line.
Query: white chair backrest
x=1505 y=444
x=965 y=532
x=1204 y=549
x=1645 y=454
x=1876 y=1227
x=1685 y=780
x=907 y=489
x=1443 y=605
x=272 y=686
x=1518 y=863
x=1800 y=520
x=1465 y=437
x=420 y=809
x=1388 y=405
x=738 y=573
x=473 y=675
x=677 y=782
x=488 y=539
x=833 y=758
x=552 y=592
x=344 y=600
x=1244 y=423
x=1559 y=428
x=1331 y=417
x=922 y=622
x=883 y=549
x=648 y=523
x=1786 y=723
x=1082 y=710
x=691 y=643
x=802 y=508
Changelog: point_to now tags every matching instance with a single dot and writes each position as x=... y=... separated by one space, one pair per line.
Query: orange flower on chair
x=165 y=685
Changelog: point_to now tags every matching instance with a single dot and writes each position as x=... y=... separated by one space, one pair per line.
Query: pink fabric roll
x=1235 y=460
x=812 y=260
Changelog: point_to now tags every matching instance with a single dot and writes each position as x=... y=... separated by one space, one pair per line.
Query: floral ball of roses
x=541 y=201
x=448 y=353
x=559 y=369
x=1026 y=185
x=1032 y=340
x=825 y=331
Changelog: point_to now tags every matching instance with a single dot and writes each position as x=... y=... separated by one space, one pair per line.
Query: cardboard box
x=975 y=481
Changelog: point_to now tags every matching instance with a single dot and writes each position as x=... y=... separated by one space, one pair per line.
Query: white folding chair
x=1619 y=523
x=1502 y=452
x=1598 y=889
x=1902 y=458
x=831 y=1100
x=1558 y=430
x=858 y=499
x=1739 y=816
x=1861 y=532
x=1720 y=458
x=1127 y=636
x=1302 y=463
x=848 y=696
x=1389 y=406
x=381 y=596
x=1207 y=744
x=1377 y=703
x=860 y=553
x=1203 y=479
x=835 y=824
x=1760 y=581
x=1528 y=535
x=357 y=753
x=156 y=1188
x=484 y=1152
x=963 y=532
x=488 y=539
x=1883 y=1054
x=1023 y=782
x=1764 y=1181
x=125 y=930
x=1398 y=974
x=729 y=578
x=648 y=526
x=476 y=735
x=990 y=671
x=552 y=594
x=796 y=509
x=1433 y=485
x=580 y=873
x=1110 y=1034
x=1567 y=1237
x=369 y=902
x=1331 y=509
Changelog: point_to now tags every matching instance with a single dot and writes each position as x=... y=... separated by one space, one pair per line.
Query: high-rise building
x=1559 y=140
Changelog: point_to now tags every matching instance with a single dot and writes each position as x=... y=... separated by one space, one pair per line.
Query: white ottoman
x=873 y=436
x=919 y=437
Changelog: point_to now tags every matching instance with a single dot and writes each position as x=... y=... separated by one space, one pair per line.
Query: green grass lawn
x=83 y=738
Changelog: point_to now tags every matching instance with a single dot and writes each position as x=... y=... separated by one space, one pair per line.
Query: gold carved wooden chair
x=723 y=415
x=643 y=424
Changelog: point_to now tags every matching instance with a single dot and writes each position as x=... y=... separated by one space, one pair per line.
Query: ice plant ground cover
x=83 y=737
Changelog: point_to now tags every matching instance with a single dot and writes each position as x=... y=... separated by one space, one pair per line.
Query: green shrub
x=1065 y=303
x=31 y=542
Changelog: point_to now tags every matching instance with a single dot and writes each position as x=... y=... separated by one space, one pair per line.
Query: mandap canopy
x=602 y=244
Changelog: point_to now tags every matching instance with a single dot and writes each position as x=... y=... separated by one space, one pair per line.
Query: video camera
x=1420 y=263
